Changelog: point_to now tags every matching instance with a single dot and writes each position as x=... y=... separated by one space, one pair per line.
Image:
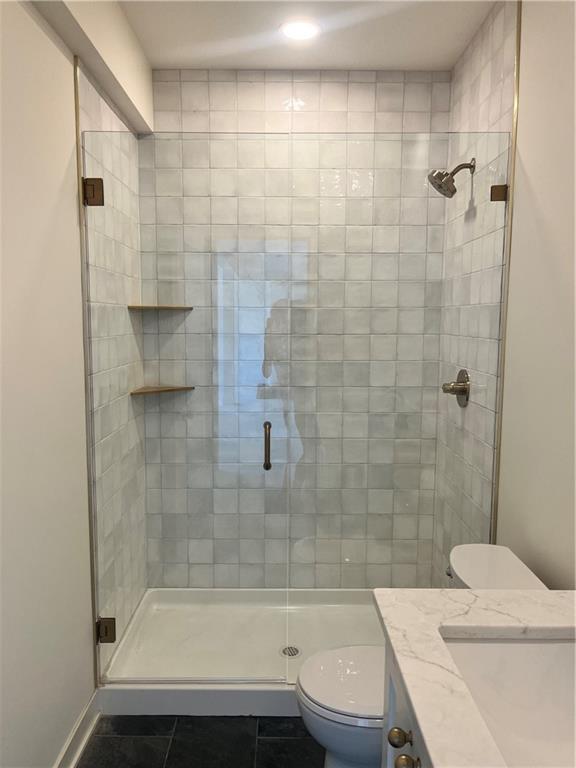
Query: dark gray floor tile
x=289 y=753
x=125 y=752
x=213 y=742
x=135 y=725
x=281 y=726
x=216 y=727
x=229 y=753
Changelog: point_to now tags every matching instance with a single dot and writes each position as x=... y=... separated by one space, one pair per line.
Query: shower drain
x=291 y=651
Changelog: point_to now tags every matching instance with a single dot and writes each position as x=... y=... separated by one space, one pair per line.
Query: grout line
x=285 y=738
x=256 y=742
x=132 y=735
x=170 y=742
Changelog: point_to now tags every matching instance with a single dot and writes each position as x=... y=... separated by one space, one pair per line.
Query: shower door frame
x=505 y=289
x=88 y=392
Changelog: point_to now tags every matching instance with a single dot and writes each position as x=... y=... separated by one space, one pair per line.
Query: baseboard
x=79 y=734
x=274 y=700
x=279 y=700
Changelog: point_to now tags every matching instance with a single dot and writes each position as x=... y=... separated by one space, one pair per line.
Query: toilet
x=340 y=692
x=340 y=695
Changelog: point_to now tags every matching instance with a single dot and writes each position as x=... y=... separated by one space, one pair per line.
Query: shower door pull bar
x=267 y=428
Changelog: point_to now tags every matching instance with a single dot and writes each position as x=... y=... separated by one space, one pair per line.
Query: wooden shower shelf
x=160 y=306
x=157 y=388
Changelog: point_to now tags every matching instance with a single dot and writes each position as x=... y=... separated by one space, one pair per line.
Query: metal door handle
x=267 y=429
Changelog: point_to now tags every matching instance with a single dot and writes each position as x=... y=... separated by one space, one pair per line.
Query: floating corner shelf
x=155 y=389
x=173 y=307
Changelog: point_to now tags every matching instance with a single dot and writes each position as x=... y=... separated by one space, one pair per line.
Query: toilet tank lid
x=491 y=566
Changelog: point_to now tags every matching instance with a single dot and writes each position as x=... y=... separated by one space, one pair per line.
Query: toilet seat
x=337 y=717
x=345 y=685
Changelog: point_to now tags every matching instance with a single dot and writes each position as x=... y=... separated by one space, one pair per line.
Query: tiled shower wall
x=280 y=101
x=483 y=77
x=482 y=113
x=302 y=238
x=113 y=253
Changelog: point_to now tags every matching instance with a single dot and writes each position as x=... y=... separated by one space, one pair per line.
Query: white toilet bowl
x=340 y=695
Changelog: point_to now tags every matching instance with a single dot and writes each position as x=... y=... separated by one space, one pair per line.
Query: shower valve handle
x=455 y=388
x=460 y=388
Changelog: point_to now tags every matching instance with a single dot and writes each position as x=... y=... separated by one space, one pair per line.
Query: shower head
x=443 y=181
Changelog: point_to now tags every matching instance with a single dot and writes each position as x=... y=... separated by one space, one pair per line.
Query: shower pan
x=271 y=318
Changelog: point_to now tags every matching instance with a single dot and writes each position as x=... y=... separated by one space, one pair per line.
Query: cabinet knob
x=405 y=761
x=397 y=737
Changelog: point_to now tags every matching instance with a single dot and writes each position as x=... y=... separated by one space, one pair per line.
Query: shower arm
x=471 y=167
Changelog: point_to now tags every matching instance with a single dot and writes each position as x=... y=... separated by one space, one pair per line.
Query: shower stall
x=313 y=281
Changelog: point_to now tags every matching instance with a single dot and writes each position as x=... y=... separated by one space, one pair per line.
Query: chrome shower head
x=443 y=181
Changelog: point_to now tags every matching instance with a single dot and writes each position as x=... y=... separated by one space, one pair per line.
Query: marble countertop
x=416 y=623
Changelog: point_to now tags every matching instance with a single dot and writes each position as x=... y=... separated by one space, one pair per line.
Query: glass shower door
x=251 y=313
x=232 y=348
x=194 y=299
x=315 y=282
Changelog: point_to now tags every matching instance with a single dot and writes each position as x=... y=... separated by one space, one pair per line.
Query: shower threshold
x=245 y=637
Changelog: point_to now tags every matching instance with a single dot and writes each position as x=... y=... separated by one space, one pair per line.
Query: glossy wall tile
x=311 y=249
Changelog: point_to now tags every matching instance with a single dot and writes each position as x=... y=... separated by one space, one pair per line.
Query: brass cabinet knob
x=397 y=737
x=405 y=761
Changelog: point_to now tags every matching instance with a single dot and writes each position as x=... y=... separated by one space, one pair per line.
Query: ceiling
x=409 y=34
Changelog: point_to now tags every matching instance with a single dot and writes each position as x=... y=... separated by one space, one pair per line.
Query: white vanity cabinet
x=478 y=677
x=400 y=726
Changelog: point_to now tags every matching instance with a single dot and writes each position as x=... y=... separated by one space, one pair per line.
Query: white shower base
x=235 y=636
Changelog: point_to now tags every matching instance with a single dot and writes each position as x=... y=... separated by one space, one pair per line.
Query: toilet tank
x=490 y=566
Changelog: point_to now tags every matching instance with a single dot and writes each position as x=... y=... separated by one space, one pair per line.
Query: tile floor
x=201 y=742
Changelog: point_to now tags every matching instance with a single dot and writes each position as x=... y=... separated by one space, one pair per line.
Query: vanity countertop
x=418 y=621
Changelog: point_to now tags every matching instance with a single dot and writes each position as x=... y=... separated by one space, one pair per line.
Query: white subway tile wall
x=113 y=253
x=310 y=246
x=481 y=119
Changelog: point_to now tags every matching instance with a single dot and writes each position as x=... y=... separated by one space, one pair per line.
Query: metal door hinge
x=93 y=191
x=499 y=193
x=106 y=630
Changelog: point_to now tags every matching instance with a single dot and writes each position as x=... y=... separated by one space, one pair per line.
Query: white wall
x=99 y=33
x=46 y=620
x=108 y=29
x=536 y=509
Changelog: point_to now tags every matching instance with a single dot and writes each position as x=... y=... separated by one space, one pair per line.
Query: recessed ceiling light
x=300 y=30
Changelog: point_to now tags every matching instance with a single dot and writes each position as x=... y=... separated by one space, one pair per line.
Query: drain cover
x=290 y=650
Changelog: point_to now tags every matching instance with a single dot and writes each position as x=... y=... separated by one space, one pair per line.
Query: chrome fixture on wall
x=460 y=388
x=443 y=181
